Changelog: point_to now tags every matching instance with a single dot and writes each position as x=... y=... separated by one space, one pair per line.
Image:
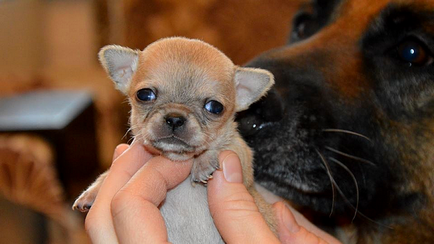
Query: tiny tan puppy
x=184 y=94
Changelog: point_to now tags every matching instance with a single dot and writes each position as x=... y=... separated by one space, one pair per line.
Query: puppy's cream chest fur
x=187 y=215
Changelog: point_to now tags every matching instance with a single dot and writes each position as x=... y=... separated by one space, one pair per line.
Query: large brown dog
x=348 y=131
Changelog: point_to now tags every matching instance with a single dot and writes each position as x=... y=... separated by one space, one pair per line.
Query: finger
x=136 y=205
x=299 y=218
x=233 y=209
x=98 y=223
x=121 y=148
x=291 y=232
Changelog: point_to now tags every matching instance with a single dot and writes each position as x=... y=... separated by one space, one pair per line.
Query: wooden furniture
x=66 y=120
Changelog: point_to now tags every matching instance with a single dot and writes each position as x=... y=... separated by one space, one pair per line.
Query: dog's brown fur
x=346 y=74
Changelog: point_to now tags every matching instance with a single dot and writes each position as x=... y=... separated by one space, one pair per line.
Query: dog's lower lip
x=172 y=140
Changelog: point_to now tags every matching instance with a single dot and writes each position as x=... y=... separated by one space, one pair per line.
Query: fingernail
x=289 y=220
x=119 y=150
x=232 y=170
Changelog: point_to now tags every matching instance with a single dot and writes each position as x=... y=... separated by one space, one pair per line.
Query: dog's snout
x=175 y=121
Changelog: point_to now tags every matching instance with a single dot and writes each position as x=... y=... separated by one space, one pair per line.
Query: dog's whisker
x=348 y=132
x=336 y=186
x=350 y=156
x=332 y=181
x=355 y=183
x=358 y=212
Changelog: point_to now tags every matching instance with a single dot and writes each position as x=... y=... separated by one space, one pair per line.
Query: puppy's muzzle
x=175 y=121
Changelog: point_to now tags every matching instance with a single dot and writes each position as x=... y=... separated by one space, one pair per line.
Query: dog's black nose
x=175 y=121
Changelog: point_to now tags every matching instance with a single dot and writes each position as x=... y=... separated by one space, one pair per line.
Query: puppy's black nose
x=175 y=121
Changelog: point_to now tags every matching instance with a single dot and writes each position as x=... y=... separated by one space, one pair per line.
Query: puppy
x=184 y=94
x=347 y=132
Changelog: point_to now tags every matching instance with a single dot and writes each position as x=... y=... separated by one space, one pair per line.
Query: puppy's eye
x=146 y=95
x=414 y=52
x=214 y=107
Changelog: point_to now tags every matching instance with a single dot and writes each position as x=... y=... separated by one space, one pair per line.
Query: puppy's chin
x=173 y=148
x=178 y=157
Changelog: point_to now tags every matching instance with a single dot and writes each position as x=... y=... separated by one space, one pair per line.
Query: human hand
x=238 y=219
x=126 y=208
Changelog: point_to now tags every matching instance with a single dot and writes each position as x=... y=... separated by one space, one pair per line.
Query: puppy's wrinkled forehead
x=183 y=66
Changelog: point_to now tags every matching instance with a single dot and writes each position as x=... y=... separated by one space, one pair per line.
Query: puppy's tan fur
x=185 y=75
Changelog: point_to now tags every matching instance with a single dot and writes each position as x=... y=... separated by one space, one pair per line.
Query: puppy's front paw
x=85 y=201
x=203 y=167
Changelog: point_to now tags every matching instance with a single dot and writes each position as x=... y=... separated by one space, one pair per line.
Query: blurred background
x=60 y=116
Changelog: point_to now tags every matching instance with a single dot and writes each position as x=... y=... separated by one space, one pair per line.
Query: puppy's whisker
x=208 y=139
x=355 y=183
x=351 y=156
x=226 y=99
x=332 y=181
x=126 y=101
x=348 y=132
x=126 y=133
x=131 y=129
x=132 y=139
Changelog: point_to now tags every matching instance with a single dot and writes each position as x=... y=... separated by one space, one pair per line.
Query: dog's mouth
x=173 y=144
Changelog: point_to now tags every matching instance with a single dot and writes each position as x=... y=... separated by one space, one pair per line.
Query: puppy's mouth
x=172 y=144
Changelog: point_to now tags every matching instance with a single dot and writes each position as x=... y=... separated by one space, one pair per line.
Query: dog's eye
x=414 y=53
x=214 y=107
x=146 y=95
x=301 y=27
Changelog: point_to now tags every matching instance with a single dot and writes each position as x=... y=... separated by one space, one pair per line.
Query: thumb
x=294 y=228
x=289 y=230
x=233 y=209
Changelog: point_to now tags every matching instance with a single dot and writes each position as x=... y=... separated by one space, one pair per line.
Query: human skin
x=126 y=207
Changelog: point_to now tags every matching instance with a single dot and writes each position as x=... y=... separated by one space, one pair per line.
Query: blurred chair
x=28 y=178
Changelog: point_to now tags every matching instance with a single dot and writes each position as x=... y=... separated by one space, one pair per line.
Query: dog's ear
x=120 y=63
x=251 y=84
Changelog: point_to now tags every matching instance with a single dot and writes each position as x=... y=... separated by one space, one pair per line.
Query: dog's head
x=183 y=93
x=349 y=126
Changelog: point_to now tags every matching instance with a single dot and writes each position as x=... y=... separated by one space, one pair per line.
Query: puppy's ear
x=251 y=84
x=120 y=63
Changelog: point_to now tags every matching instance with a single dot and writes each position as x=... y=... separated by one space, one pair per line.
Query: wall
x=44 y=35
x=22 y=40
x=70 y=33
